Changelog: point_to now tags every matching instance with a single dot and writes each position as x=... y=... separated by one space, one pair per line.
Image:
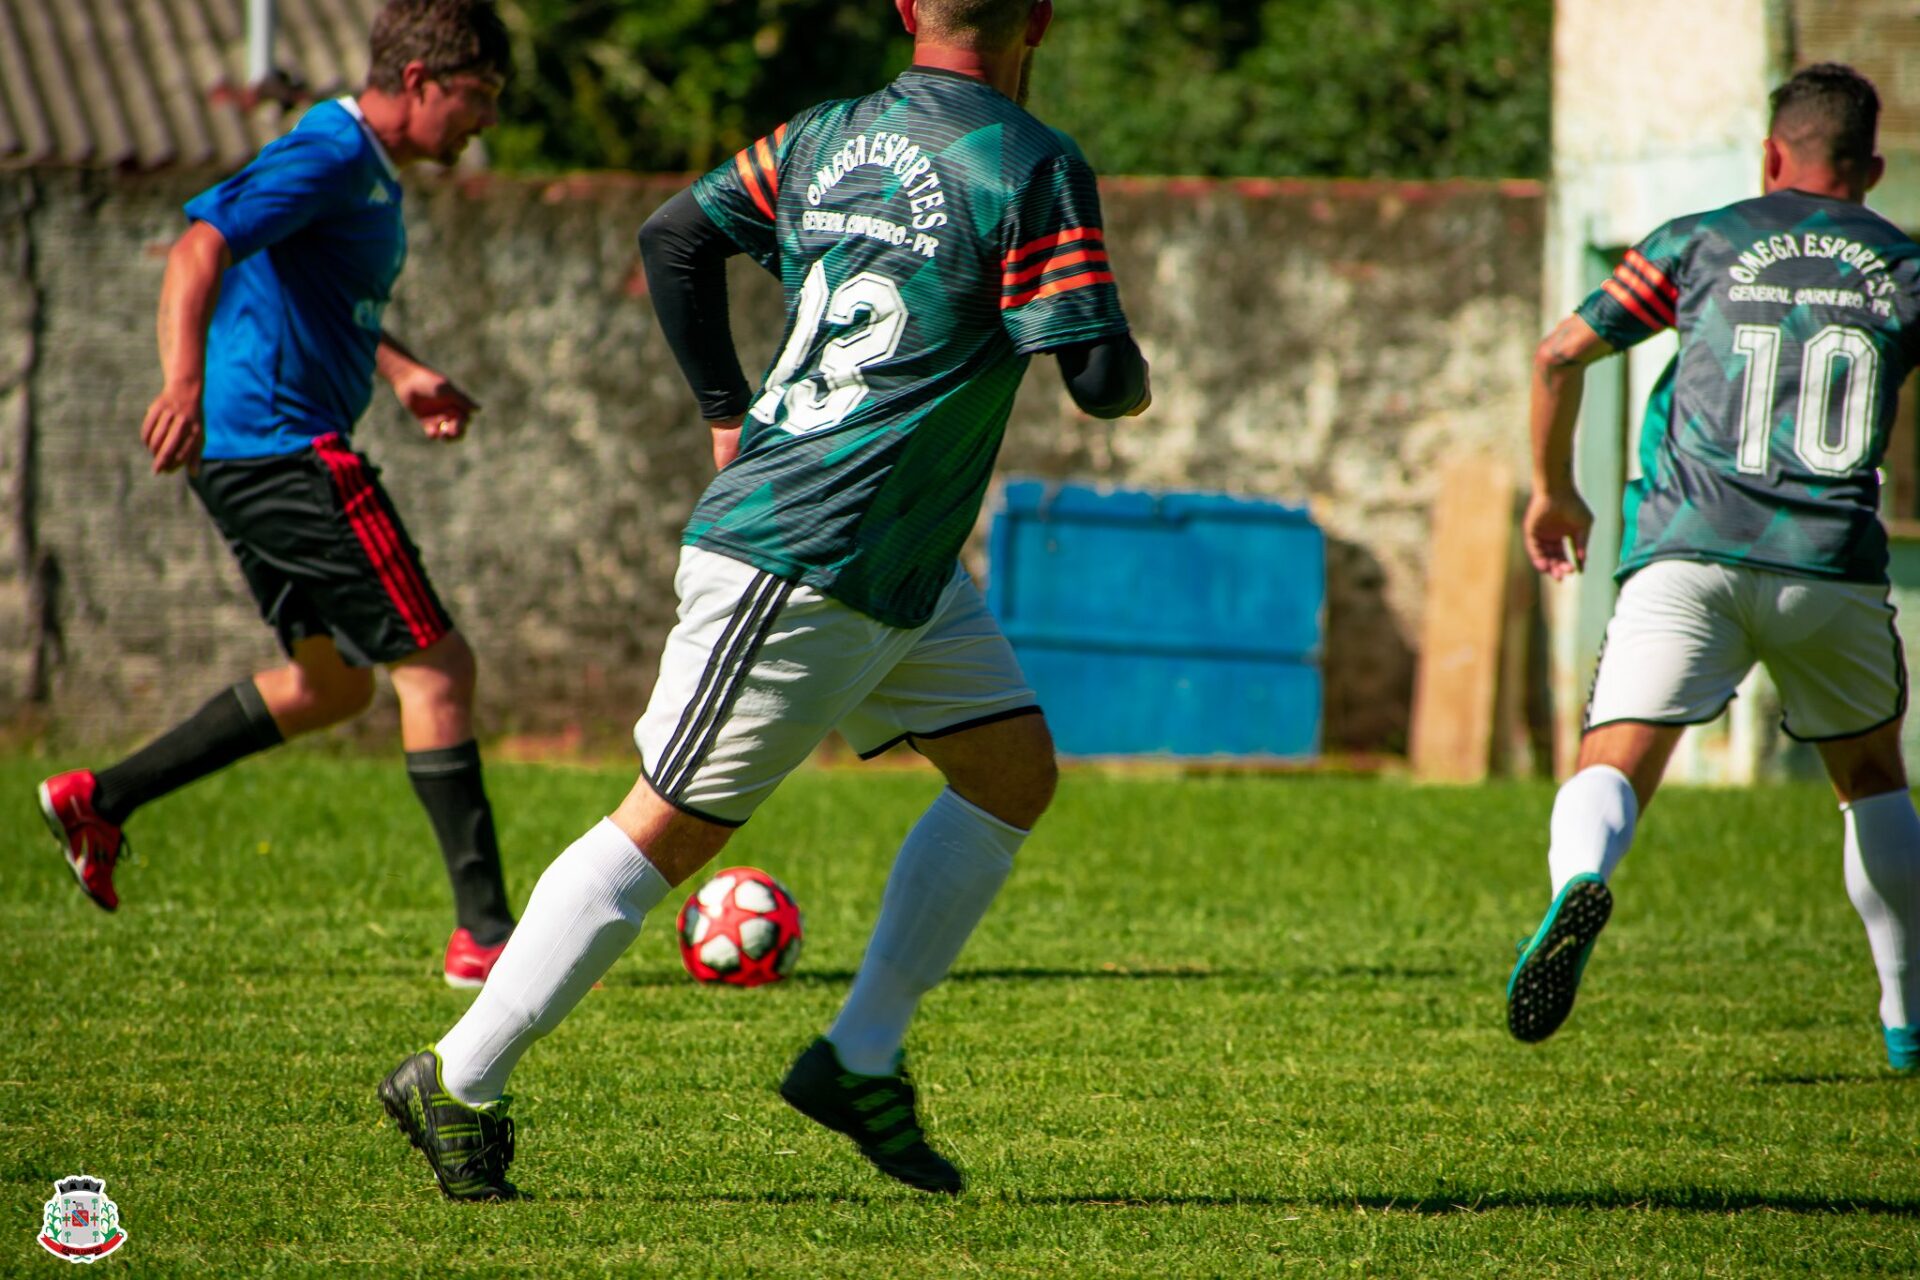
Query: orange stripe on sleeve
x=1071 y=283
x=1055 y=263
x=1632 y=304
x=1654 y=275
x=1656 y=302
x=768 y=168
x=1058 y=238
x=752 y=184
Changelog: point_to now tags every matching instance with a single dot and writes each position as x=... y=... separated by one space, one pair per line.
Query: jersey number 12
x=1824 y=354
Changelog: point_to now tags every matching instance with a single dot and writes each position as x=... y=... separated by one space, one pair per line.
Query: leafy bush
x=1404 y=88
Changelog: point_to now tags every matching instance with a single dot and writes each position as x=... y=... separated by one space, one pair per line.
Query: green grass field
x=1221 y=1026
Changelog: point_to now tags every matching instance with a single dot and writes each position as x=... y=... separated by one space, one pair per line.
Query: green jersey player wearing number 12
x=930 y=238
x=1752 y=534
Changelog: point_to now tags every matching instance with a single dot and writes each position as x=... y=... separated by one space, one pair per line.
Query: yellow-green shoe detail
x=877 y=1112
x=468 y=1148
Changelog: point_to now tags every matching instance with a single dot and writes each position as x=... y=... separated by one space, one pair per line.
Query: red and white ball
x=742 y=928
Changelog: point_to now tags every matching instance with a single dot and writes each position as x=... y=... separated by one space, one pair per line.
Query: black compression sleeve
x=686 y=259
x=1105 y=378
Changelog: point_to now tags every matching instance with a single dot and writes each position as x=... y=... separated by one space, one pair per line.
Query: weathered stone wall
x=1319 y=342
x=19 y=299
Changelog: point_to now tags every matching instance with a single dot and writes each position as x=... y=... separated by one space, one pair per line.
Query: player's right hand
x=1555 y=522
x=726 y=440
x=172 y=430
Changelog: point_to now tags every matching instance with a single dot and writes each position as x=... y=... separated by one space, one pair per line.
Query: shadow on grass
x=1669 y=1199
x=1676 y=1199
x=1121 y=973
x=1830 y=1077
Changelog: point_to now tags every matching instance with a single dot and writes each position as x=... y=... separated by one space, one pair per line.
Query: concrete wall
x=1321 y=342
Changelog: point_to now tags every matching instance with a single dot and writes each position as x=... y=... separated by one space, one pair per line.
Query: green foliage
x=1215 y=1027
x=1406 y=88
x=678 y=84
x=1326 y=88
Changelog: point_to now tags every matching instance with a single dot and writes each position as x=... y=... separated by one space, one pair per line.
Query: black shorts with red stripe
x=324 y=552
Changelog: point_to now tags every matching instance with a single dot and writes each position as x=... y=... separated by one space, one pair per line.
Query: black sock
x=233 y=725
x=451 y=791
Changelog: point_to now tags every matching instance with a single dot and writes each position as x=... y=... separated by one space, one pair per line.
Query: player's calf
x=1883 y=880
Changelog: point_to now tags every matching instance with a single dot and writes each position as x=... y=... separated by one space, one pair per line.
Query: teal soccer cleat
x=1903 y=1049
x=1540 y=992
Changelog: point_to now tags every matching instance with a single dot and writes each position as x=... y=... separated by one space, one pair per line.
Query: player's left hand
x=442 y=408
x=173 y=431
x=1555 y=531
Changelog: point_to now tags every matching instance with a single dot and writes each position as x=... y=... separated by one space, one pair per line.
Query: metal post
x=260 y=23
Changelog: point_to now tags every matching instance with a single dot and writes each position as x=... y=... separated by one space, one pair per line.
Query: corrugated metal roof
x=153 y=84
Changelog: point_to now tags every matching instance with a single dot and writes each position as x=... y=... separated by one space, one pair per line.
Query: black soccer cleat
x=1540 y=992
x=877 y=1112
x=468 y=1148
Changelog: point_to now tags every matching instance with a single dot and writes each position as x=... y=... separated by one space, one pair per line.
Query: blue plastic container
x=1172 y=624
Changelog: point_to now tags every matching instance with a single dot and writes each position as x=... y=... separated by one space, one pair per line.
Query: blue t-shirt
x=317 y=240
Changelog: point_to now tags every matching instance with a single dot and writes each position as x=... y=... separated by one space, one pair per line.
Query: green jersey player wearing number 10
x=1752 y=534
x=930 y=238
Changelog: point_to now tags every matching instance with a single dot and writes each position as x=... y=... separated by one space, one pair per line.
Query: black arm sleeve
x=1105 y=378
x=686 y=260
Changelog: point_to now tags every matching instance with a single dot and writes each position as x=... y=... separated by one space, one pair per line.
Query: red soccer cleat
x=90 y=844
x=469 y=963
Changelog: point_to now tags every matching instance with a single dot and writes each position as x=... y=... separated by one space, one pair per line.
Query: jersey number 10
x=1824 y=353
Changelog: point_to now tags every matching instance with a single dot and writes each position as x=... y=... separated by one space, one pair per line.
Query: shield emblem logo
x=80 y=1223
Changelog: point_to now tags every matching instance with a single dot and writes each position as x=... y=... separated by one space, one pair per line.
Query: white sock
x=1593 y=820
x=949 y=870
x=1883 y=879
x=584 y=912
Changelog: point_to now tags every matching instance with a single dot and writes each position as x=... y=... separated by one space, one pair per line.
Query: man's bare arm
x=1559 y=375
x=1556 y=515
x=189 y=292
x=393 y=359
x=442 y=409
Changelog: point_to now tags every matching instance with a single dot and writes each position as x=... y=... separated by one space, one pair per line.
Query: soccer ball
x=742 y=928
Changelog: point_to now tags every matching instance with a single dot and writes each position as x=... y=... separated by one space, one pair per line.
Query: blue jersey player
x=270 y=339
x=1753 y=533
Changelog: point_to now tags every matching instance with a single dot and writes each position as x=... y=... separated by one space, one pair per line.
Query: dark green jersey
x=930 y=238
x=1799 y=318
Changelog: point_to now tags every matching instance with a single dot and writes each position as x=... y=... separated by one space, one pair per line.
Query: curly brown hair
x=448 y=36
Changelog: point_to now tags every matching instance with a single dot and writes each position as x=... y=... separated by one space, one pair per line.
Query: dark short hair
x=987 y=22
x=448 y=36
x=1827 y=111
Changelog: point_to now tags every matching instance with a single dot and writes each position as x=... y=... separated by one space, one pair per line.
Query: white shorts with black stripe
x=759 y=670
x=1685 y=633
